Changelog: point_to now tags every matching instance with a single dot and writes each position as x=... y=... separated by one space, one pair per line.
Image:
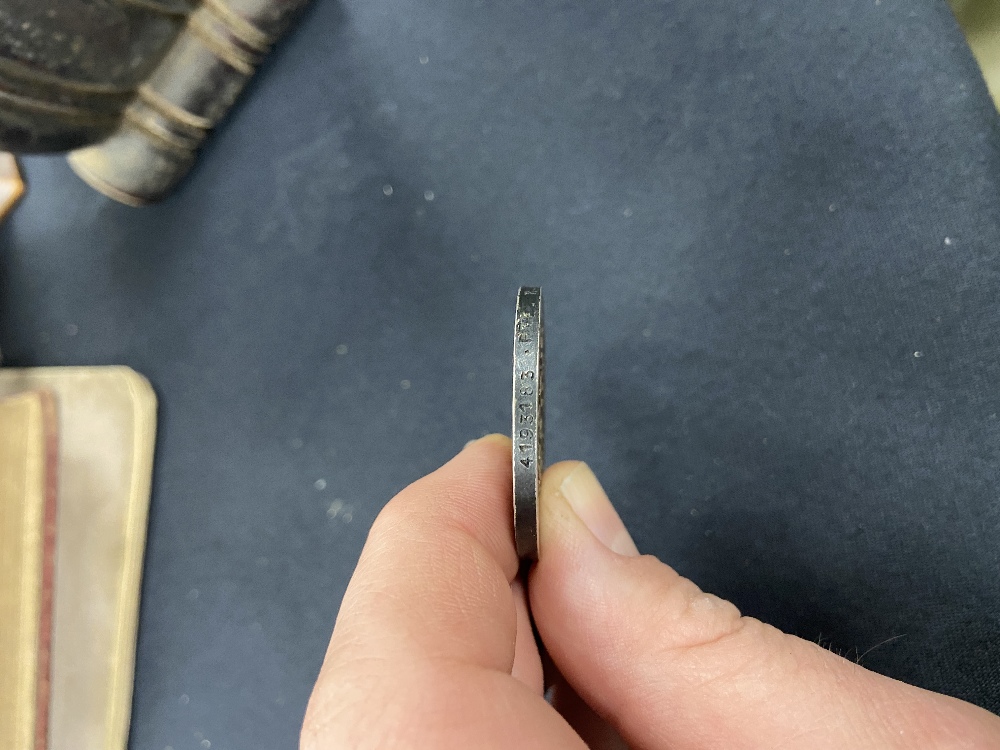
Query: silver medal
x=528 y=408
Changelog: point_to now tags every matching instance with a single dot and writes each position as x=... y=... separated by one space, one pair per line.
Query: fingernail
x=591 y=504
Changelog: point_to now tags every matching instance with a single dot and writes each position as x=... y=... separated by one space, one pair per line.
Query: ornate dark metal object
x=134 y=85
x=68 y=68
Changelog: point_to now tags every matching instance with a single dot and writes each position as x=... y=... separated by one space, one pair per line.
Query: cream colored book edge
x=27 y=519
x=107 y=423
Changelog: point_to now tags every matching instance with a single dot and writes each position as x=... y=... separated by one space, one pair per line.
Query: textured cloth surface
x=768 y=237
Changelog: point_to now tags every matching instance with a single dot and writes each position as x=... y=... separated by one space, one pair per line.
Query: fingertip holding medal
x=527 y=410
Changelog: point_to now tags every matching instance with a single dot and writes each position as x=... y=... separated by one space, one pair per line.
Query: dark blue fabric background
x=768 y=236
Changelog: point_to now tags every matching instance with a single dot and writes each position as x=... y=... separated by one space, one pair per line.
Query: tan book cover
x=27 y=528
x=107 y=419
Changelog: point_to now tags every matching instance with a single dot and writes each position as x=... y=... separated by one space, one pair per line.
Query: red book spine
x=50 y=421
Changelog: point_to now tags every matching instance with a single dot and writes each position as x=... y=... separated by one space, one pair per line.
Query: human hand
x=433 y=646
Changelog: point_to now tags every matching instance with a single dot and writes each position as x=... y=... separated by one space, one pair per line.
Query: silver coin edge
x=527 y=480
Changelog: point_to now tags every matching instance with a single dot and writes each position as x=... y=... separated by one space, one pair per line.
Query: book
x=27 y=533
x=106 y=419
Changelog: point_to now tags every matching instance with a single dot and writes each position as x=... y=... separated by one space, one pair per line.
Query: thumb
x=672 y=667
